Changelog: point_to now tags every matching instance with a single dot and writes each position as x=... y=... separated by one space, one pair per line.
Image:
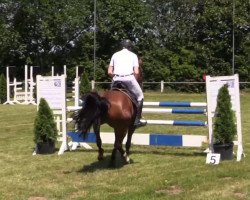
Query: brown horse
x=113 y=107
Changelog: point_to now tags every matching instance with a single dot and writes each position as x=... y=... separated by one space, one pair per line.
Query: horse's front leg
x=96 y=127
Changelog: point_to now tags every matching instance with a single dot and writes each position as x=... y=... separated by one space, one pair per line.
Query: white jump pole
x=52 y=70
x=15 y=91
x=8 y=86
x=162 y=86
x=65 y=71
x=31 y=86
x=26 y=85
x=76 y=88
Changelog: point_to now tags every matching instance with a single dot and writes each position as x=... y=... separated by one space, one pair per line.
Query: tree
x=3 y=89
x=49 y=30
x=9 y=43
x=85 y=85
x=242 y=39
x=213 y=35
x=179 y=40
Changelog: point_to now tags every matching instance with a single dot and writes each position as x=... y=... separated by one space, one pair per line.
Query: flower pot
x=47 y=147
x=225 y=150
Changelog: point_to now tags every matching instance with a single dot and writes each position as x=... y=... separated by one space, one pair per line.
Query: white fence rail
x=162 y=84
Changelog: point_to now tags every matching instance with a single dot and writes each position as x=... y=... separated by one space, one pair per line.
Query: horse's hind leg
x=98 y=141
x=118 y=146
x=99 y=145
x=128 y=144
x=125 y=154
x=119 y=136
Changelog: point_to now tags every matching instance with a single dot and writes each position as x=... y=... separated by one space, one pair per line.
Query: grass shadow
x=174 y=151
x=105 y=164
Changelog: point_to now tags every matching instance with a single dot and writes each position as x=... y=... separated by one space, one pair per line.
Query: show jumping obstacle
x=20 y=96
x=156 y=138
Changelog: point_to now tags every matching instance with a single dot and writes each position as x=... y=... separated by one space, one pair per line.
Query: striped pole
x=175 y=122
x=157 y=110
x=176 y=104
x=174 y=110
x=143 y=139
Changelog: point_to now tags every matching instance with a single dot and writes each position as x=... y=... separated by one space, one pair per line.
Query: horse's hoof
x=100 y=158
x=127 y=160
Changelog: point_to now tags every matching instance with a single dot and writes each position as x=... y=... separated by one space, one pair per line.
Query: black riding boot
x=138 y=123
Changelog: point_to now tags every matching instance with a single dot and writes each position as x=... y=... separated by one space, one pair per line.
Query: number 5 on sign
x=213 y=158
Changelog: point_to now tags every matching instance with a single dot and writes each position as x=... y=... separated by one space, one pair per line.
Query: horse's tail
x=93 y=109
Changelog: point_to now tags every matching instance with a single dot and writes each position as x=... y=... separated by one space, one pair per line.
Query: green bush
x=224 y=125
x=44 y=125
x=85 y=85
x=3 y=89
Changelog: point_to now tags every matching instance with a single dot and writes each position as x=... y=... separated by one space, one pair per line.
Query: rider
x=124 y=65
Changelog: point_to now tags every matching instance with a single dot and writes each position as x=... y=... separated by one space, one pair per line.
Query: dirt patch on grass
x=172 y=190
x=240 y=195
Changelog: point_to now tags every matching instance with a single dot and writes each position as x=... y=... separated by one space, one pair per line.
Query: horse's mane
x=94 y=107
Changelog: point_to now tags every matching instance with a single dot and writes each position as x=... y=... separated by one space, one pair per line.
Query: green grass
x=156 y=172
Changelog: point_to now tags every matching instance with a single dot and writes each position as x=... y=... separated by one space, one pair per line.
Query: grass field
x=156 y=172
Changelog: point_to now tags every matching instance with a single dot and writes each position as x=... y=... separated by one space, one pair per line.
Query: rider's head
x=127 y=44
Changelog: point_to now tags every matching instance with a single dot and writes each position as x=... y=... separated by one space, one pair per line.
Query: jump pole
x=174 y=110
x=32 y=84
x=142 y=139
x=175 y=104
x=76 y=88
x=8 y=101
x=26 y=85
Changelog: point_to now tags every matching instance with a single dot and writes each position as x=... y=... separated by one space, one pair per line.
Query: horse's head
x=93 y=108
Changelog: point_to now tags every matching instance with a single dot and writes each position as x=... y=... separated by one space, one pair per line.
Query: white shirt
x=123 y=62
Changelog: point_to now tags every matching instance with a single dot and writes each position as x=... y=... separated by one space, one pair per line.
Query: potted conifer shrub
x=45 y=131
x=224 y=125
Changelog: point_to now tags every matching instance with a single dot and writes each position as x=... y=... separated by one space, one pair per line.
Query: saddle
x=122 y=86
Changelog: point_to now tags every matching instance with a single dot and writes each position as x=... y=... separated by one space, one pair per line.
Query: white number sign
x=213 y=158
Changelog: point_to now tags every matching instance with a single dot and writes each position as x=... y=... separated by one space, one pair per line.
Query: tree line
x=177 y=40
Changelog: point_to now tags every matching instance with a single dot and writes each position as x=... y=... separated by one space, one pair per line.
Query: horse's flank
x=120 y=109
